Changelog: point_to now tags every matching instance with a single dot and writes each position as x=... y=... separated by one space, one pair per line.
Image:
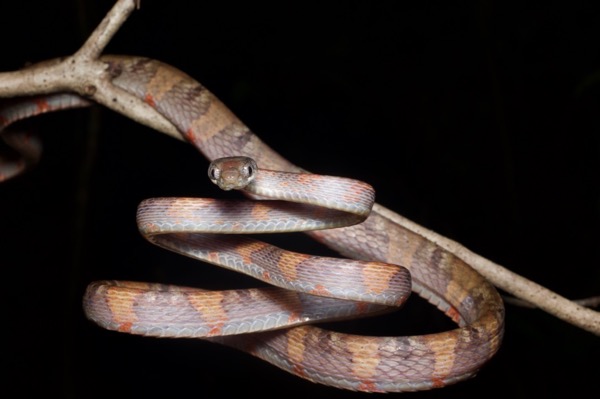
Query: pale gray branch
x=591 y=302
x=103 y=34
x=508 y=281
x=84 y=73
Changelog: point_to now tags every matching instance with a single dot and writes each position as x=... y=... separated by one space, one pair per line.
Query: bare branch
x=508 y=281
x=85 y=73
x=102 y=35
x=591 y=302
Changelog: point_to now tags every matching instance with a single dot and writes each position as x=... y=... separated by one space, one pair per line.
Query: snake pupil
x=213 y=173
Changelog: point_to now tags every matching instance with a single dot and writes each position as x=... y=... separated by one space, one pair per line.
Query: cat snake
x=385 y=260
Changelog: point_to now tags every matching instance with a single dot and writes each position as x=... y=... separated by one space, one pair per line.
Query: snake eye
x=213 y=173
x=250 y=170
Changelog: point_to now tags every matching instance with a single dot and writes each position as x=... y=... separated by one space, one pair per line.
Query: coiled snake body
x=372 y=285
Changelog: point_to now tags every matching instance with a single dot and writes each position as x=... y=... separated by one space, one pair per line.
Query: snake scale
x=373 y=241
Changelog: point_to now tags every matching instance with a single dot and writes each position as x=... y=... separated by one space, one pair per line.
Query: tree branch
x=508 y=281
x=85 y=74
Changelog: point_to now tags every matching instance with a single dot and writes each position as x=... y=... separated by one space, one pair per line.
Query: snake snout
x=231 y=179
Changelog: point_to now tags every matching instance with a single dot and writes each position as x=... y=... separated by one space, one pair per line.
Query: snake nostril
x=230 y=177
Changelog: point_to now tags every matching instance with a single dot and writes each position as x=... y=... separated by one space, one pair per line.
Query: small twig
x=105 y=31
x=85 y=73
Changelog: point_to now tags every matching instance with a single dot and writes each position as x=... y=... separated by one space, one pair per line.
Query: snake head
x=232 y=173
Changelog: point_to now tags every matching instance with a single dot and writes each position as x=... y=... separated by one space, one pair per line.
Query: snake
x=380 y=261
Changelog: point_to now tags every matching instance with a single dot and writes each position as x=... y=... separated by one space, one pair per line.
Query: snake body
x=375 y=364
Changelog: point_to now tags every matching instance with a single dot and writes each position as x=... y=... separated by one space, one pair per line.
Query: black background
x=476 y=119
